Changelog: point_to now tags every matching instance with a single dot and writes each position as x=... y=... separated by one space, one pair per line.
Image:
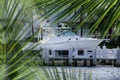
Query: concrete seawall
x=82 y=57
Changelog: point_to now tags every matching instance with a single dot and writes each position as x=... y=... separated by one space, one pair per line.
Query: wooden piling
x=118 y=57
x=114 y=63
x=75 y=62
x=85 y=63
x=67 y=62
x=91 y=62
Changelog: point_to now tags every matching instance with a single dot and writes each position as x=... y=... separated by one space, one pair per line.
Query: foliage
x=16 y=19
x=16 y=64
x=15 y=16
x=102 y=14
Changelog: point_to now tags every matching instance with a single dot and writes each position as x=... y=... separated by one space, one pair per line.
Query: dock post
x=118 y=57
x=70 y=56
x=53 y=62
x=114 y=63
x=94 y=58
x=85 y=62
x=75 y=62
x=46 y=57
x=91 y=62
x=67 y=64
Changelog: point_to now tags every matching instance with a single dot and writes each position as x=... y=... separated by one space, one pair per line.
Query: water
x=95 y=73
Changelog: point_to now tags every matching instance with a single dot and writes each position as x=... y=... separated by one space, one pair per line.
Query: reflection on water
x=97 y=73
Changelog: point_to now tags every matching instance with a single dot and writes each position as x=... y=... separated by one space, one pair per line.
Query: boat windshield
x=66 y=33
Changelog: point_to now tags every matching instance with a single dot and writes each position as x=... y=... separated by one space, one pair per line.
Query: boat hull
x=83 y=44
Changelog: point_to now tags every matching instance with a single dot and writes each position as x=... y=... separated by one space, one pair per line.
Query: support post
x=46 y=56
x=85 y=62
x=75 y=62
x=70 y=56
x=91 y=62
x=94 y=58
x=118 y=57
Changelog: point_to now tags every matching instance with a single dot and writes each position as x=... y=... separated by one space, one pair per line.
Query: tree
x=16 y=19
x=102 y=14
x=14 y=22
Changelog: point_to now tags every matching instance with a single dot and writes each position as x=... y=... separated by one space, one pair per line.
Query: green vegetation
x=16 y=17
x=95 y=14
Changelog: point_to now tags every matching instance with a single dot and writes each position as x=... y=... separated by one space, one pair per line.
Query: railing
x=98 y=36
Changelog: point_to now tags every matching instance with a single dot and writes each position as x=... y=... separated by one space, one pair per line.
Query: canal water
x=99 y=72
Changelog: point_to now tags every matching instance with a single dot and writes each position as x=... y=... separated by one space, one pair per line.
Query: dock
x=81 y=57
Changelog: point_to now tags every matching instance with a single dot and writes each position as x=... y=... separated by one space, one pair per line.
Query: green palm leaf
x=14 y=15
x=102 y=14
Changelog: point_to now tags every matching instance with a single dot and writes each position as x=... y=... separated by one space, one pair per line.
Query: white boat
x=71 y=42
x=67 y=39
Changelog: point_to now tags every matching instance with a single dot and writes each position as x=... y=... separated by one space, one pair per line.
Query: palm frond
x=102 y=14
